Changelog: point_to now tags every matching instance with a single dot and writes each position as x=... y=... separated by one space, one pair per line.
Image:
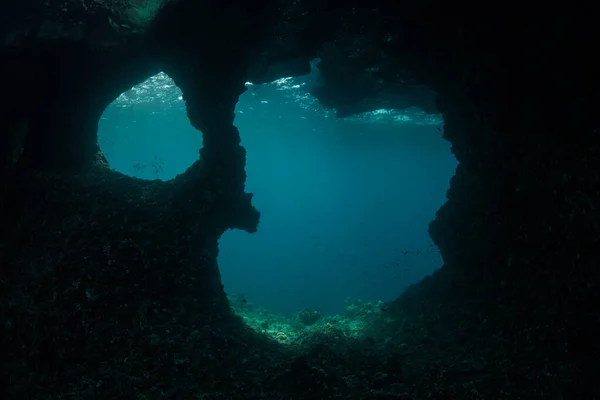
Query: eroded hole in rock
x=145 y=132
x=345 y=206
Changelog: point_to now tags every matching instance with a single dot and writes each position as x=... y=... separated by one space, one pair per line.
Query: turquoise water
x=344 y=204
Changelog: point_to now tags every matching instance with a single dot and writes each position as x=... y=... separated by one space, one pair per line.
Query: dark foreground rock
x=109 y=286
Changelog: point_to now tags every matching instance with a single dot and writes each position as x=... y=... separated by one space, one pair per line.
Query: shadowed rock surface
x=109 y=285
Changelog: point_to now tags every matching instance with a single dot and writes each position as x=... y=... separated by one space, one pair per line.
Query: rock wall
x=109 y=285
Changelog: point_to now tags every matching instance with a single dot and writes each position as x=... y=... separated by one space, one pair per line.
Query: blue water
x=344 y=205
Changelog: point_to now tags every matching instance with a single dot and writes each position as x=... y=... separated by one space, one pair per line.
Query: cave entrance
x=345 y=203
x=145 y=133
x=345 y=206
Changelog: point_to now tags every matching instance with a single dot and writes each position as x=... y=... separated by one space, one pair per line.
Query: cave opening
x=345 y=205
x=145 y=132
x=334 y=234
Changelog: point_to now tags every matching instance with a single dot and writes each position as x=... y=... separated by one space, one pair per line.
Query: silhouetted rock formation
x=109 y=286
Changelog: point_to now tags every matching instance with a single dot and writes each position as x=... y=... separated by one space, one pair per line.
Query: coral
x=307 y=316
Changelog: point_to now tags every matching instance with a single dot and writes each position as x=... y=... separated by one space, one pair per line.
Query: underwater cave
x=334 y=231
x=112 y=275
